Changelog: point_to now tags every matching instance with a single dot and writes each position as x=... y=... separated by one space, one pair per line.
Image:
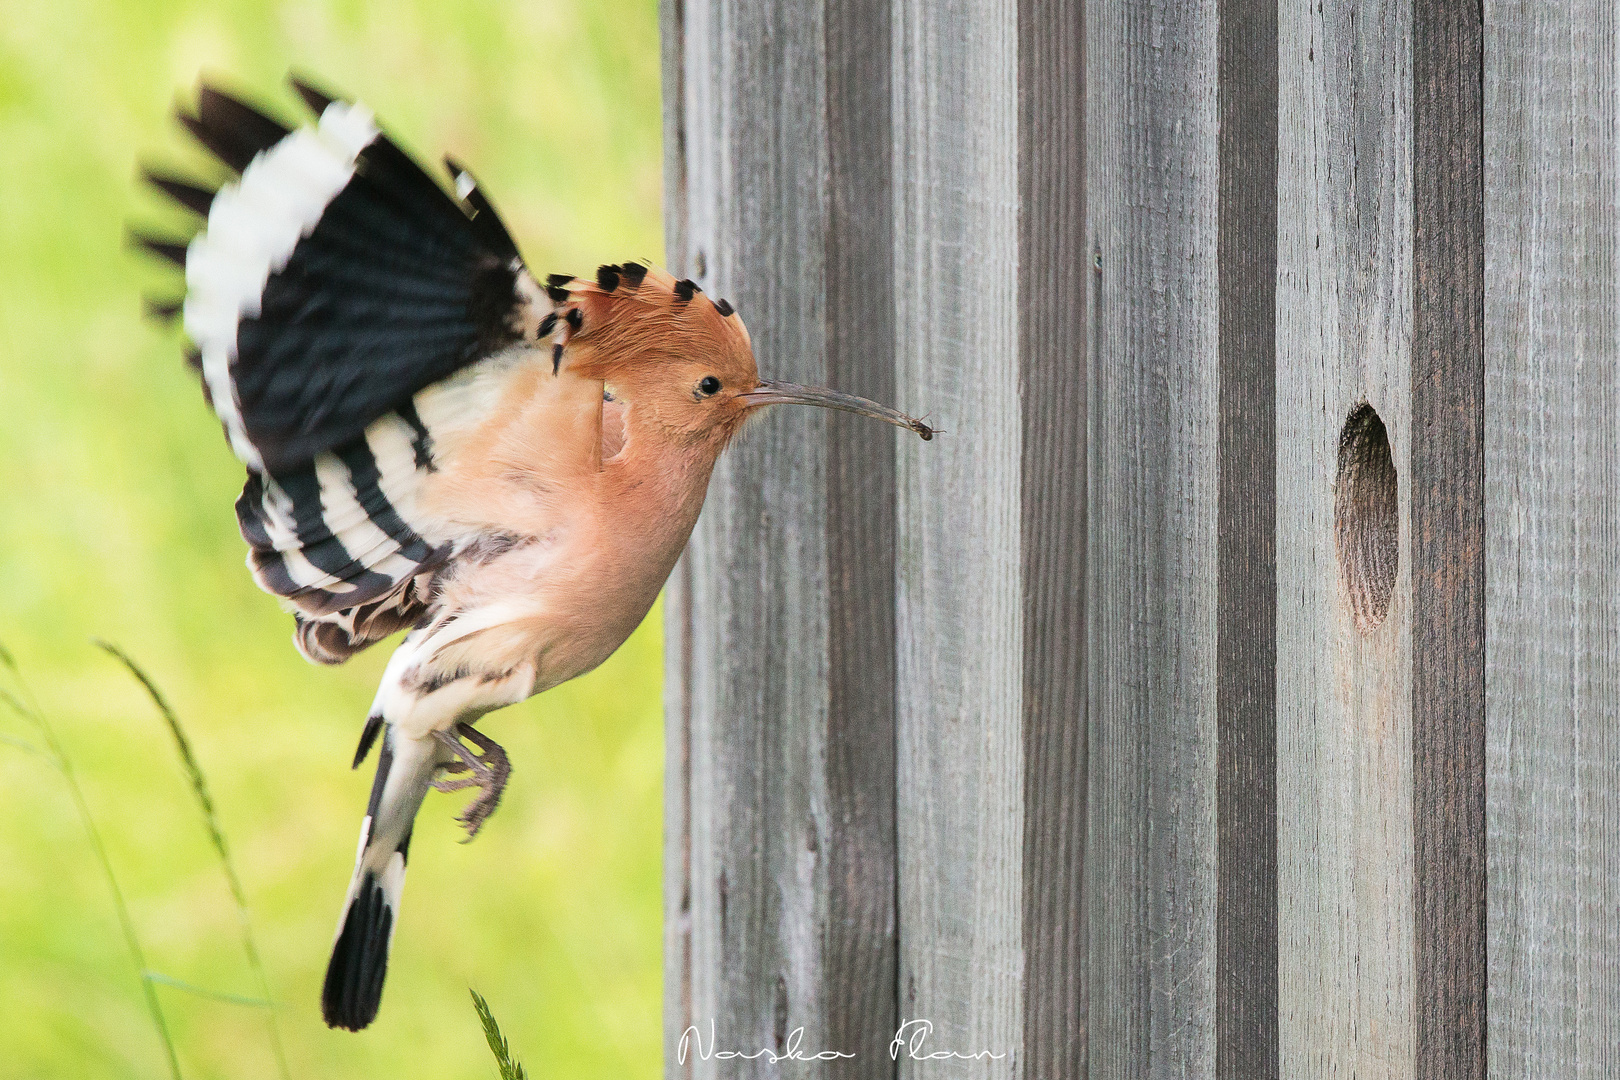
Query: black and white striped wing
x=332 y=291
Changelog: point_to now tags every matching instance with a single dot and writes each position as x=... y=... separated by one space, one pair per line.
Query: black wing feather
x=488 y=223
x=173 y=251
x=232 y=131
x=315 y=99
x=388 y=286
x=189 y=195
x=397 y=286
x=395 y=289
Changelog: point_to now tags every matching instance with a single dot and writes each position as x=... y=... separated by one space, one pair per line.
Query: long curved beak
x=781 y=393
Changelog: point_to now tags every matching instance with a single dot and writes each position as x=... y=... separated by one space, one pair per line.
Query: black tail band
x=354 y=977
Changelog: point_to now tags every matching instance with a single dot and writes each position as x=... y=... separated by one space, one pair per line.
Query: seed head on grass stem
x=511 y=1068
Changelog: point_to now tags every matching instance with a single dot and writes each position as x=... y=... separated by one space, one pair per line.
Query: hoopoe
x=438 y=442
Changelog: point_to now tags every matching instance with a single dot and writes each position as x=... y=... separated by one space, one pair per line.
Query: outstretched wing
x=332 y=284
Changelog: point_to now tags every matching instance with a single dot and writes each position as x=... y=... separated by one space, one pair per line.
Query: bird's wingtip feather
x=316 y=99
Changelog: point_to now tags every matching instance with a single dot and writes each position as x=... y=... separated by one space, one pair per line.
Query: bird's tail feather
x=354 y=976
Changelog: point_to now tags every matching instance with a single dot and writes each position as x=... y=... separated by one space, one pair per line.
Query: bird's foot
x=490 y=770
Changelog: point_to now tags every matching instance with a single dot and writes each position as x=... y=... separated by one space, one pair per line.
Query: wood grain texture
x=784 y=836
x=1344 y=318
x=677 y=602
x=860 y=940
x=1052 y=273
x=757 y=558
x=1153 y=406
x=1448 y=540
x=1552 y=497
x=1246 y=622
x=678 y=959
x=959 y=625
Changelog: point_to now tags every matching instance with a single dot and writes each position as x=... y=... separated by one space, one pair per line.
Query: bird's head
x=681 y=360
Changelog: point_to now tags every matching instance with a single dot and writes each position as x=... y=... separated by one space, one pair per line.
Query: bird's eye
x=709 y=386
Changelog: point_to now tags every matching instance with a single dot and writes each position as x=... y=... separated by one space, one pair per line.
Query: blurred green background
x=115 y=521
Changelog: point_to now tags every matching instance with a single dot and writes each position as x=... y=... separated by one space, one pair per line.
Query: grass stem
x=199 y=788
x=56 y=753
x=204 y=992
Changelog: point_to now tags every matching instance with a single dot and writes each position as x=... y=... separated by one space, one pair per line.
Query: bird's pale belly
x=592 y=623
x=569 y=599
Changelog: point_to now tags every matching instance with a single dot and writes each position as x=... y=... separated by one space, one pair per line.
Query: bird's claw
x=490 y=770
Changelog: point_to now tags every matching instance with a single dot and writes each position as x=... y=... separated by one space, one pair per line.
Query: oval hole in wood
x=1366 y=517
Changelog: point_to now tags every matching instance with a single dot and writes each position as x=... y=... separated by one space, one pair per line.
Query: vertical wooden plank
x=758 y=583
x=1052 y=272
x=861 y=994
x=678 y=1005
x=1552 y=496
x=959 y=625
x=1246 y=650
x=1153 y=406
x=1448 y=540
x=1344 y=317
x=678 y=958
x=781 y=829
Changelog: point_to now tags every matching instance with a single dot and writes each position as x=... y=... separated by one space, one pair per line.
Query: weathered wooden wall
x=780 y=811
x=1139 y=725
x=1246 y=538
x=1153 y=488
x=1552 y=537
x=960 y=798
x=1344 y=709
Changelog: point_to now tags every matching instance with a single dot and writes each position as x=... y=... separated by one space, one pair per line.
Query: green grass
x=216 y=838
x=25 y=707
x=116 y=522
x=511 y=1068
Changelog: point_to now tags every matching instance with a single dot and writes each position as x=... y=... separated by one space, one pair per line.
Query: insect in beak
x=781 y=393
